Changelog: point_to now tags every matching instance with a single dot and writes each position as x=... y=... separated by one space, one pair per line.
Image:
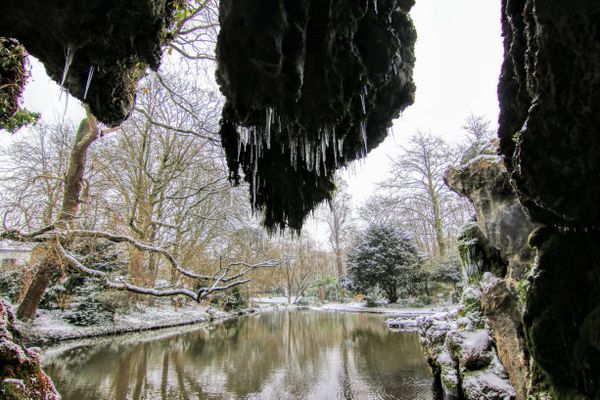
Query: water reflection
x=284 y=355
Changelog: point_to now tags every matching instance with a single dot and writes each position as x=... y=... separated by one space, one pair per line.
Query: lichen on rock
x=310 y=86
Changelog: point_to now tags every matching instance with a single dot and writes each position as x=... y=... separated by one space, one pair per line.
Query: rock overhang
x=310 y=86
x=106 y=43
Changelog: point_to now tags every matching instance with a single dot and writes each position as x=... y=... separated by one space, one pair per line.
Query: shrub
x=91 y=310
x=230 y=300
x=11 y=283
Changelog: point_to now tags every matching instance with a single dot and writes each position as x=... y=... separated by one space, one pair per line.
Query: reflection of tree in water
x=272 y=355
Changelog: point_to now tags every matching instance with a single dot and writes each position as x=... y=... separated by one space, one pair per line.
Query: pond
x=275 y=355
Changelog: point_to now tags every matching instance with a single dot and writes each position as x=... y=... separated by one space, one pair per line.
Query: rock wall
x=21 y=376
x=310 y=86
x=499 y=238
x=549 y=96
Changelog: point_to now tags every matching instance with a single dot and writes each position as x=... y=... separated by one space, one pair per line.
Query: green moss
x=516 y=137
x=521 y=287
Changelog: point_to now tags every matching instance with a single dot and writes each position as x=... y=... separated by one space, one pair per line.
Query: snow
x=48 y=326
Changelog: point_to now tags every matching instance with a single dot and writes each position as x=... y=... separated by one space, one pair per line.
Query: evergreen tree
x=385 y=257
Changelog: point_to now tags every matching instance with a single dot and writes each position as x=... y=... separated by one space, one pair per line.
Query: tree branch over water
x=226 y=277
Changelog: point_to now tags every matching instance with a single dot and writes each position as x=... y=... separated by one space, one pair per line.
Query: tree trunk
x=392 y=294
x=50 y=264
x=45 y=274
x=439 y=232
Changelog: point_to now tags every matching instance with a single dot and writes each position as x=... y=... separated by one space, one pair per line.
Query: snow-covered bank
x=49 y=327
x=392 y=312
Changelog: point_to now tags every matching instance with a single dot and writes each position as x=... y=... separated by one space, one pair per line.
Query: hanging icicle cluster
x=311 y=85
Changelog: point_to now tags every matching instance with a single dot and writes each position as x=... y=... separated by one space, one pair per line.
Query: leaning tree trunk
x=48 y=264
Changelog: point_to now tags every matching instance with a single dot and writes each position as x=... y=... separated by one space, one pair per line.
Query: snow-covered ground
x=387 y=310
x=390 y=310
x=48 y=326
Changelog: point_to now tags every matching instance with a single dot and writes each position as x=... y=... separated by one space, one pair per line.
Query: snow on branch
x=225 y=278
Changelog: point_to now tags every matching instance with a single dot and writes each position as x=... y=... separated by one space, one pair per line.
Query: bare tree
x=339 y=223
x=33 y=173
x=45 y=256
x=479 y=137
x=426 y=205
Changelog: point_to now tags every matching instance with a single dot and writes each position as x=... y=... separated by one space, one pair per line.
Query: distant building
x=14 y=254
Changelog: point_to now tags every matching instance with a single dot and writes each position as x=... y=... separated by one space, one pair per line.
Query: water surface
x=278 y=355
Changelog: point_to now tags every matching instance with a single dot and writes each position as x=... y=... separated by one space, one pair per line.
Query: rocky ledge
x=461 y=351
x=21 y=376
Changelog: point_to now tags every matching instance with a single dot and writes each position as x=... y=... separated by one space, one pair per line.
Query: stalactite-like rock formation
x=109 y=43
x=550 y=138
x=310 y=86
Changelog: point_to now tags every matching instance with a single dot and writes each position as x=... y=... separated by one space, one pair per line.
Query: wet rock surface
x=310 y=86
x=549 y=93
x=115 y=40
x=21 y=376
x=549 y=122
x=504 y=312
x=562 y=318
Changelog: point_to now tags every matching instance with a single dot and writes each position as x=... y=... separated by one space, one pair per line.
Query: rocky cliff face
x=21 y=376
x=110 y=43
x=549 y=95
x=310 y=86
x=498 y=239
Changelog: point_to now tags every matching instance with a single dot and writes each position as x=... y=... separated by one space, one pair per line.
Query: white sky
x=458 y=58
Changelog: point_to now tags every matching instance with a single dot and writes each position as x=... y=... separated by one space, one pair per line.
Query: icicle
x=68 y=61
x=362 y=102
x=66 y=103
x=341 y=145
x=318 y=163
x=363 y=133
x=395 y=67
x=375 y=7
x=323 y=150
x=268 y=120
x=89 y=80
x=334 y=141
x=254 y=176
x=239 y=149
